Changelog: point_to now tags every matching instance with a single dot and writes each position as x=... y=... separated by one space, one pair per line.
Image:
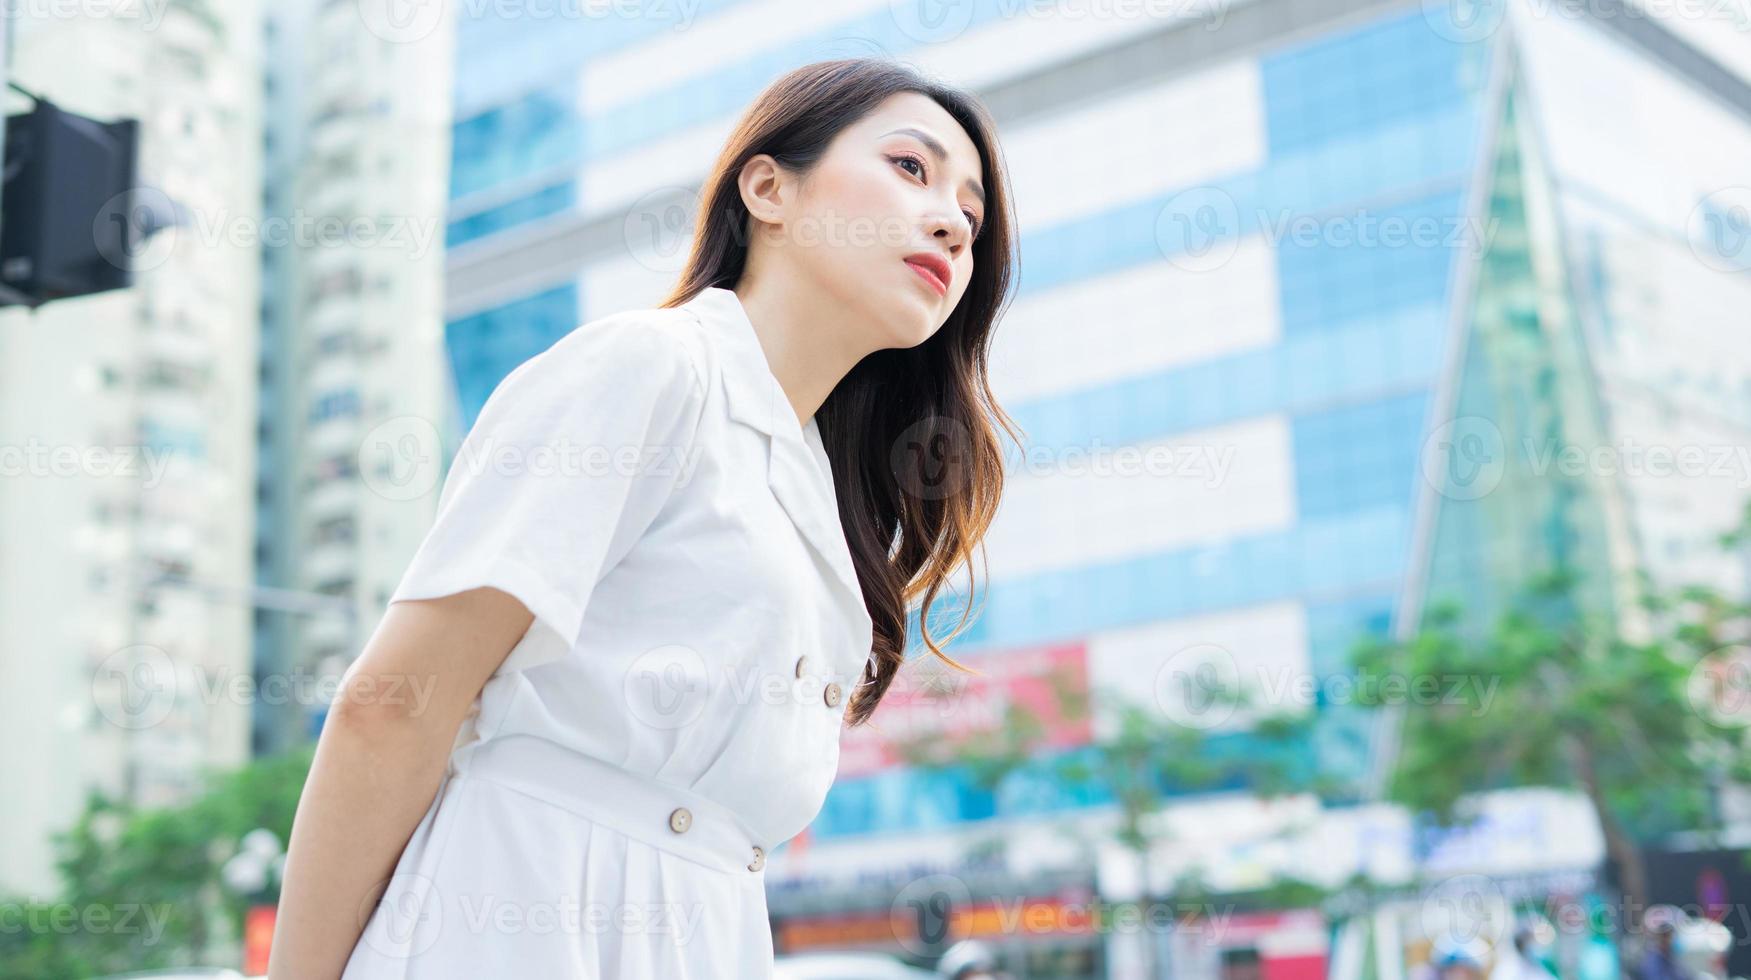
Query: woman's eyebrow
x=939 y=151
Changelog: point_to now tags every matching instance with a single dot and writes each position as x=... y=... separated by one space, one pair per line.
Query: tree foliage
x=140 y=887
x=1648 y=729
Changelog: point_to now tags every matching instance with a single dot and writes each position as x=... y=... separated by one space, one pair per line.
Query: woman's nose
x=951 y=229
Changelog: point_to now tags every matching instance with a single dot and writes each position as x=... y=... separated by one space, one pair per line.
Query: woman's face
x=896 y=191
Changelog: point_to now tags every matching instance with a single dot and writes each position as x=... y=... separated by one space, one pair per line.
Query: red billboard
x=932 y=703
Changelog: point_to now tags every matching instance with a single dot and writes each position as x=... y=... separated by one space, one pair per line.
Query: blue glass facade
x=1382 y=122
x=531 y=134
x=1357 y=457
x=1379 y=120
x=542 y=203
x=485 y=346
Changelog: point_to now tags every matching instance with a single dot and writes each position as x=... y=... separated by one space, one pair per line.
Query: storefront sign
x=932 y=705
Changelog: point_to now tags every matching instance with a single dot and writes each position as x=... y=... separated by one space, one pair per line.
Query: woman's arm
x=513 y=547
x=378 y=765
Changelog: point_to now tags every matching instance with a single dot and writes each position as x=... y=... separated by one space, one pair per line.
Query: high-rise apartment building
x=355 y=391
x=127 y=420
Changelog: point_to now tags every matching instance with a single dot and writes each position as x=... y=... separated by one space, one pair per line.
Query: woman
x=672 y=558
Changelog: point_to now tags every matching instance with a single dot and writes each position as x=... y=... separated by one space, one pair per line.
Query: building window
x=335 y=404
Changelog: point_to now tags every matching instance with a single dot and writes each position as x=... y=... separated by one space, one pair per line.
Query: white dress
x=673 y=714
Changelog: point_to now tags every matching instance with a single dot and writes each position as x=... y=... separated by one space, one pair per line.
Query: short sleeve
x=571 y=458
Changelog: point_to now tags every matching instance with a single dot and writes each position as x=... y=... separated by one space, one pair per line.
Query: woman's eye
x=972 y=218
x=912 y=160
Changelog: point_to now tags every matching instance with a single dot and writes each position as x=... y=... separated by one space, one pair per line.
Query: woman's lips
x=930 y=276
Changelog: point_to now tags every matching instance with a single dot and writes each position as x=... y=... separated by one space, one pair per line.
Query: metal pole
x=5 y=78
x=260 y=596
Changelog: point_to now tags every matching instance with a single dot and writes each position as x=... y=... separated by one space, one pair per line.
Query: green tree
x=140 y=888
x=1140 y=758
x=1555 y=695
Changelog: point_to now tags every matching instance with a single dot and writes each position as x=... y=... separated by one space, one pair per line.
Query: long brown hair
x=916 y=462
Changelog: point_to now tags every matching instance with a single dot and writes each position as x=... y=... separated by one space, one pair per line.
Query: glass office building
x=1348 y=272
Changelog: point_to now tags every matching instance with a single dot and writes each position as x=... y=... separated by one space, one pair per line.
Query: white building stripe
x=617 y=182
x=672 y=57
x=1169 y=135
x=1038 y=34
x=1062 y=166
x=1260 y=649
x=1067 y=506
x=1158 y=315
x=622 y=284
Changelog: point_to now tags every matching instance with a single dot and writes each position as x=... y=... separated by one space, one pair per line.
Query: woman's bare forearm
x=378 y=765
x=373 y=778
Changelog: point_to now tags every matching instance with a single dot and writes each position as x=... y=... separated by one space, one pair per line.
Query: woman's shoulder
x=663 y=346
x=624 y=369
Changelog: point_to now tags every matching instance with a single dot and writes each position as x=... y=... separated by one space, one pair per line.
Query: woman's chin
x=909 y=328
x=914 y=334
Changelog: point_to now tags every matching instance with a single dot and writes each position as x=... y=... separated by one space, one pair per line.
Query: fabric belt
x=665 y=816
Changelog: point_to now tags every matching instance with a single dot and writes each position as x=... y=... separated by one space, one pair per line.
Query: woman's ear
x=765 y=188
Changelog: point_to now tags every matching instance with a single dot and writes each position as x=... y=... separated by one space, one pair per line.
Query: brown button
x=759 y=859
x=833 y=694
x=680 y=820
x=802 y=667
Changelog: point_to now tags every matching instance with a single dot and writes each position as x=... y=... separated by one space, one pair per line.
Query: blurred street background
x=1368 y=600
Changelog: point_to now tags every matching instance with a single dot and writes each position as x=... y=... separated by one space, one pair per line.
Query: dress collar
x=754 y=393
x=798 y=469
